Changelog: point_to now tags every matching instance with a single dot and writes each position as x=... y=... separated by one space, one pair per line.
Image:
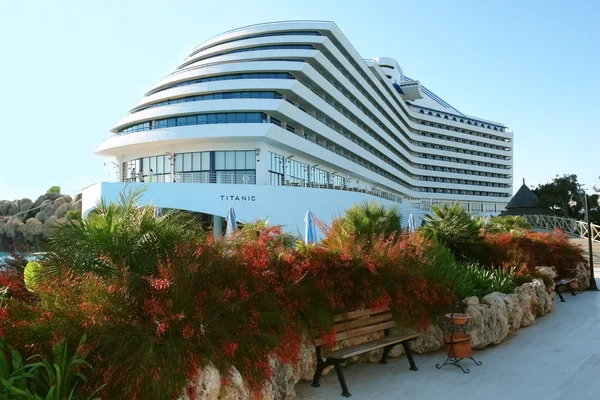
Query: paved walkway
x=558 y=357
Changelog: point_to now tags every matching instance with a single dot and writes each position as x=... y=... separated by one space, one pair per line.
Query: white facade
x=291 y=109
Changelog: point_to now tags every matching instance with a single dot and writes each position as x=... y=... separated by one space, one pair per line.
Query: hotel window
x=192 y=167
x=235 y=166
x=296 y=172
x=337 y=180
x=319 y=176
x=276 y=169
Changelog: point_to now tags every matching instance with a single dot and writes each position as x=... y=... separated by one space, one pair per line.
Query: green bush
x=73 y=214
x=475 y=280
x=61 y=378
x=53 y=190
x=454 y=228
x=507 y=224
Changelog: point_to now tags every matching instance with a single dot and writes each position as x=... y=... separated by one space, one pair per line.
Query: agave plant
x=59 y=379
x=120 y=235
x=454 y=228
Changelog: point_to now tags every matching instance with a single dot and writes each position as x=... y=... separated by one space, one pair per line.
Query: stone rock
x=542 y=302
x=308 y=361
x=13 y=226
x=282 y=384
x=32 y=228
x=78 y=197
x=429 y=341
x=583 y=275
x=50 y=226
x=11 y=208
x=40 y=216
x=61 y=211
x=208 y=385
x=515 y=312
x=57 y=203
x=235 y=388
x=25 y=205
x=498 y=321
x=68 y=199
x=76 y=205
x=546 y=271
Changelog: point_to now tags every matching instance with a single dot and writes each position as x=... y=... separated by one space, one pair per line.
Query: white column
x=217 y=226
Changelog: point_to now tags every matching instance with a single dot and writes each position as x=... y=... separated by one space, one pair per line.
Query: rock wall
x=493 y=318
x=24 y=222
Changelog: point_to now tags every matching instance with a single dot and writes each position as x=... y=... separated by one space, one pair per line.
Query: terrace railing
x=569 y=226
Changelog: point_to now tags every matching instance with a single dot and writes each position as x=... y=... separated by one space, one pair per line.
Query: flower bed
x=168 y=310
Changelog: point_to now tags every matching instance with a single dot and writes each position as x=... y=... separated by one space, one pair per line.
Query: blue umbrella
x=310 y=233
x=411 y=224
x=231 y=222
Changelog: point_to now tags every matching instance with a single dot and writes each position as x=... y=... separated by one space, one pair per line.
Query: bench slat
x=359 y=332
x=358 y=314
x=564 y=281
x=357 y=323
x=369 y=346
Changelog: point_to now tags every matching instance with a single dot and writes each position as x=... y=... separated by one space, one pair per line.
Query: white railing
x=569 y=226
x=244 y=179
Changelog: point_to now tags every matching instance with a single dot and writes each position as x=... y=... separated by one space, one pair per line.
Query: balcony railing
x=243 y=179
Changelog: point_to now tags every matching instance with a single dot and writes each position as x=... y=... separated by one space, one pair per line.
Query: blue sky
x=69 y=70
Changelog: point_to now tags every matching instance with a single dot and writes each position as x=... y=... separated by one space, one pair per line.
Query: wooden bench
x=559 y=283
x=354 y=324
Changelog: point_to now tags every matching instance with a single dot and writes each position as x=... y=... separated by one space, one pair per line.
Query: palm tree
x=454 y=228
x=507 y=223
x=122 y=235
x=365 y=222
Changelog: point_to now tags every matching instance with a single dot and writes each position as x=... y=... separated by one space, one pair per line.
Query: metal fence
x=569 y=226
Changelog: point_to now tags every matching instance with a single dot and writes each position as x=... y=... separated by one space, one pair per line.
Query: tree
x=454 y=228
x=53 y=190
x=562 y=196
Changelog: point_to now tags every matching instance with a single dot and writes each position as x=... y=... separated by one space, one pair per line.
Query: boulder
x=78 y=197
x=307 y=361
x=582 y=271
x=432 y=339
x=515 y=312
x=61 y=211
x=25 y=205
x=10 y=208
x=498 y=323
x=235 y=389
x=13 y=226
x=57 y=203
x=76 y=205
x=542 y=302
x=32 y=228
x=50 y=226
x=207 y=386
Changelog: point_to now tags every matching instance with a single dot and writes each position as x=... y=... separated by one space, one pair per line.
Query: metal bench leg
x=386 y=352
x=572 y=291
x=557 y=290
x=413 y=366
x=320 y=367
x=340 y=375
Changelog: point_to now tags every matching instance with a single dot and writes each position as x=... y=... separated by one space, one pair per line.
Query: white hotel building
x=277 y=118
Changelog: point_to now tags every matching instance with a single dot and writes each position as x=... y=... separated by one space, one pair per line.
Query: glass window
x=219 y=160
x=230 y=160
x=206 y=161
x=160 y=165
x=197 y=161
x=201 y=119
x=221 y=118
x=178 y=162
x=181 y=121
x=240 y=160
x=187 y=162
x=191 y=120
x=171 y=122
x=251 y=160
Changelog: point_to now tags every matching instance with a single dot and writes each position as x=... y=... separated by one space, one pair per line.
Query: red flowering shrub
x=529 y=250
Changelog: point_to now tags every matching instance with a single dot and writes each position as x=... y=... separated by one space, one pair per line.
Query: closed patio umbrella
x=231 y=222
x=310 y=233
x=411 y=224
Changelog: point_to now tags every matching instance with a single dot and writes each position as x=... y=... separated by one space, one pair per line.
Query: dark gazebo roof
x=524 y=202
